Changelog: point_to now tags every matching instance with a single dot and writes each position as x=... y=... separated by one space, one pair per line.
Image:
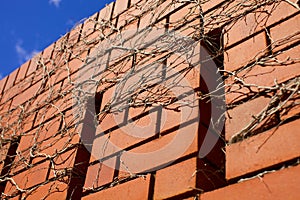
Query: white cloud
x=55 y=2
x=1 y=76
x=23 y=54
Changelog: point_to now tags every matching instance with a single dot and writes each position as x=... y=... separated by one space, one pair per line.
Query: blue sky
x=29 y=26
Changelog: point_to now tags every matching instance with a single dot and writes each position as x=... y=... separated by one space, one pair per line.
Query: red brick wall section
x=50 y=147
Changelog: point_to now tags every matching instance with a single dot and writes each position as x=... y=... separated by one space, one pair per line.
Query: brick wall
x=119 y=107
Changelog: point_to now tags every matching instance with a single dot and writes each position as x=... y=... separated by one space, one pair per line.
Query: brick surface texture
x=159 y=100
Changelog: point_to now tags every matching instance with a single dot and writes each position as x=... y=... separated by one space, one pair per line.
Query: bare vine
x=43 y=129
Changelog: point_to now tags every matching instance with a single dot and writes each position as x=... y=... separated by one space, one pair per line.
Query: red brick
x=70 y=119
x=130 y=133
x=56 y=143
x=165 y=8
x=161 y=10
x=133 y=2
x=89 y=25
x=167 y=148
x=222 y=14
x=32 y=177
x=176 y=179
x=13 y=122
x=206 y=5
x=255 y=22
x=257 y=152
x=135 y=11
x=47 y=53
x=11 y=79
x=245 y=52
x=105 y=13
x=56 y=107
x=150 y=35
x=5 y=121
x=291 y=109
x=50 y=140
x=4 y=108
x=22 y=159
x=280 y=69
x=135 y=189
x=162 y=150
x=74 y=64
x=100 y=174
x=241 y=116
x=2 y=85
x=27 y=123
x=280 y=11
x=61 y=52
x=120 y=6
x=230 y=11
x=187 y=176
x=282 y=184
x=16 y=122
x=182 y=16
x=75 y=35
x=180 y=68
x=12 y=92
x=186 y=13
x=61 y=73
x=27 y=94
x=22 y=72
x=48 y=129
x=34 y=64
x=45 y=100
x=146 y=126
x=63 y=162
x=4 y=196
x=286 y=33
x=129 y=18
x=60 y=55
x=3 y=153
x=54 y=190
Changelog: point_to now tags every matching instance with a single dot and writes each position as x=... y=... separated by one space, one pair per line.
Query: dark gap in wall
x=112 y=11
x=98 y=102
x=83 y=153
x=268 y=41
x=7 y=164
x=213 y=42
x=80 y=33
x=118 y=166
x=160 y=108
x=211 y=123
x=167 y=24
x=97 y=19
x=49 y=171
x=78 y=173
x=151 y=186
x=128 y=4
